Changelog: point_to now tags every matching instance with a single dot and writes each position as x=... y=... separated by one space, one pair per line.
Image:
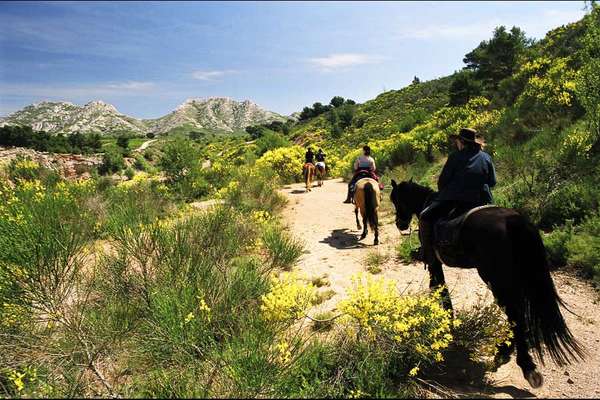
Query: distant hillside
x=212 y=114
x=391 y=112
x=65 y=117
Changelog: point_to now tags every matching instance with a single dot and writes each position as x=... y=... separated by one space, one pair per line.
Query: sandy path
x=328 y=229
x=145 y=145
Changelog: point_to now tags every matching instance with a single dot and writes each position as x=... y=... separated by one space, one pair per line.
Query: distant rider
x=464 y=183
x=321 y=160
x=309 y=157
x=364 y=167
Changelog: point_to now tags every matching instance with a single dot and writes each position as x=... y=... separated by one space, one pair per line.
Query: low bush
x=112 y=162
x=283 y=250
x=584 y=247
x=556 y=245
x=286 y=162
x=570 y=202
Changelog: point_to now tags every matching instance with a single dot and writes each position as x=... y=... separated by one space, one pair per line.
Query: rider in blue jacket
x=464 y=184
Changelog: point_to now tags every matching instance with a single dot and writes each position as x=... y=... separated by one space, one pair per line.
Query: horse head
x=400 y=198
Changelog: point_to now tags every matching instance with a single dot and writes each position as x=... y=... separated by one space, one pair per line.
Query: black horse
x=509 y=255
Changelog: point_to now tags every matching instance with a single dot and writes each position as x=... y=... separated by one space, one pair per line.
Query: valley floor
x=328 y=230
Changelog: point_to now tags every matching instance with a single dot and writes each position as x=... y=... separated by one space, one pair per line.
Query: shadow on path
x=465 y=378
x=343 y=239
x=298 y=191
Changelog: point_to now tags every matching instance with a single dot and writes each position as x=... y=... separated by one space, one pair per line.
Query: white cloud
x=210 y=75
x=344 y=60
x=131 y=85
x=534 y=26
x=481 y=29
x=49 y=91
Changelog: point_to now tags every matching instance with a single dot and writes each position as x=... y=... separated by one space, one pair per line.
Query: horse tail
x=370 y=205
x=544 y=322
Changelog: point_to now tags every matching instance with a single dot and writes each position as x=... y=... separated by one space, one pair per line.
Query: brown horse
x=320 y=172
x=509 y=254
x=367 y=199
x=308 y=171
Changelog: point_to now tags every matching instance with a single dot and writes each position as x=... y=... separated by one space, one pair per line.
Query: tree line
x=25 y=136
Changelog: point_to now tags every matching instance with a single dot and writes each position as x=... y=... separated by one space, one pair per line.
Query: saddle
x=446 y=234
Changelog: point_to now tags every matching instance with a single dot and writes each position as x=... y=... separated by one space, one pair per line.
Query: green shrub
x=129 y=173
x=140 y=163
x=270 y=140
x=584 y=247
x=570 y=202
x=406 y=246
x=282 y=248
x=24 y=168
x=112 y=162
x=254 y=189
x=375 y=260
x=556 y=245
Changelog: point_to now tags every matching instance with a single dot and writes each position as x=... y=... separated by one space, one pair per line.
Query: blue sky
x=148 y=57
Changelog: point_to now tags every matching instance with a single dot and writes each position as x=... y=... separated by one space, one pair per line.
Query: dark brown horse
x=509 y=255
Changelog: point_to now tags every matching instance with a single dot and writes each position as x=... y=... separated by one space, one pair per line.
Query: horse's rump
x=504 y=233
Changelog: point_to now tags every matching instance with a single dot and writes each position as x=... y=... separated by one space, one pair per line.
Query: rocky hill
x=55 y=117
x=212 y=114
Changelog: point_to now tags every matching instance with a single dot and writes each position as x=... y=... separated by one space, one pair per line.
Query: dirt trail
x=329 y=231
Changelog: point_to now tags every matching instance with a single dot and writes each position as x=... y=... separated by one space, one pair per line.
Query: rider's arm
x=373 y=164
x=492 y=175
x=356 y=164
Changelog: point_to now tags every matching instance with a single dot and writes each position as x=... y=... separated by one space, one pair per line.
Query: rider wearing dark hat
x=309 y=156
x=464 y=183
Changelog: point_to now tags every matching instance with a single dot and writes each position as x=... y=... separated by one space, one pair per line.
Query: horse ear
x=410 y=179
x=394 y=184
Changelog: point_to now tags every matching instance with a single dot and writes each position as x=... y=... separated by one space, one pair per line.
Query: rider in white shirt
x=364 y=163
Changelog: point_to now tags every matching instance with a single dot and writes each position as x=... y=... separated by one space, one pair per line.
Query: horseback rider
x=309 y=157
x=320 y=157
x=364 y=167
x=463 y=184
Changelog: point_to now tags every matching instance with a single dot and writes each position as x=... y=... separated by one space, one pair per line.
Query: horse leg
x=365 y=225
x=524 y=359
x=358 y=227
x=503 y=350
x=437 y=280
x=511 y=300
x=376 y=229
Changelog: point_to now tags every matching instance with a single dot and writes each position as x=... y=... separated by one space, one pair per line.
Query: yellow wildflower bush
x=577 y=143
x=287 y=162
x=551 y=84
x=415 y=328
x=288 y=299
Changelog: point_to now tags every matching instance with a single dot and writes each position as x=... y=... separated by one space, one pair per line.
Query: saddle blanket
x=446 y=233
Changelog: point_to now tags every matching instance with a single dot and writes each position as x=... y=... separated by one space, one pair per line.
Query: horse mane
x=421 y=194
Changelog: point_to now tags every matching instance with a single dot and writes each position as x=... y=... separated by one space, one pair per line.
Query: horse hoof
x=534 y=378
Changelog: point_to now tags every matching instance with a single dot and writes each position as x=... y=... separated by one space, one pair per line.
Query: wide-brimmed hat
x=469 y=135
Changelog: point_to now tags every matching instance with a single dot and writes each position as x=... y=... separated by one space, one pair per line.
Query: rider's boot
x=348 y=197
